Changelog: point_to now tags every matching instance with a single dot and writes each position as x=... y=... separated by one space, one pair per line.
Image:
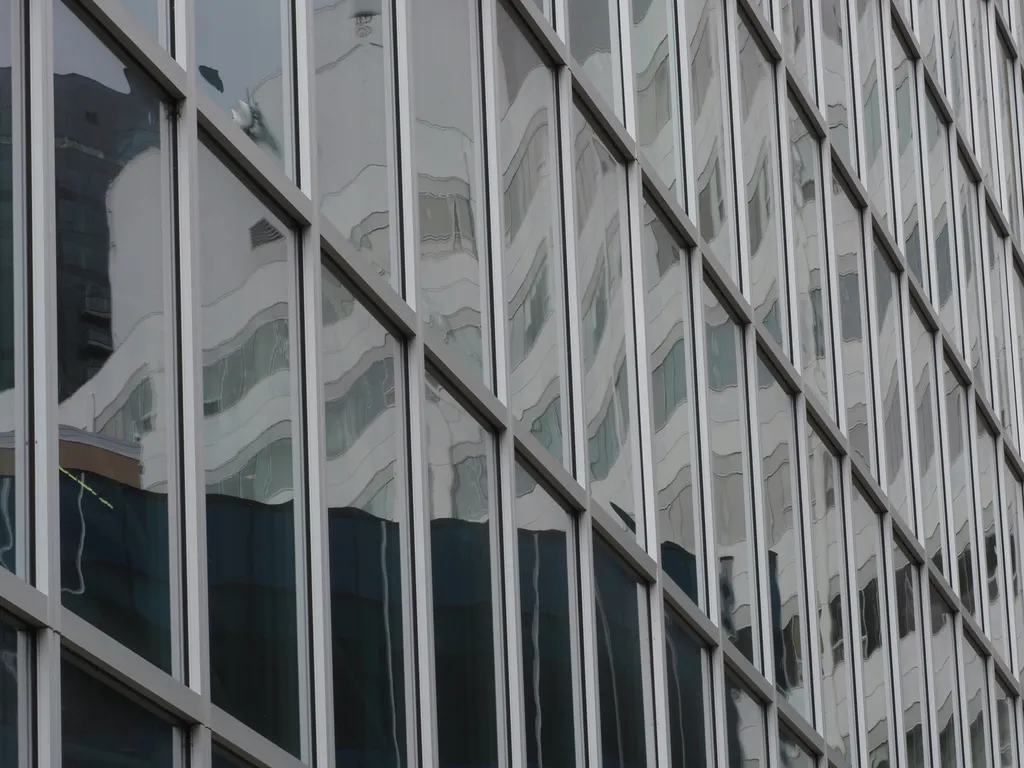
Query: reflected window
x=593 y=30
x=688 y=694
x=970 y=233
x=976 y=694
x=961 y=499
x=745 y=735
x=872 y=88
x=657 y=97
x=923 y=388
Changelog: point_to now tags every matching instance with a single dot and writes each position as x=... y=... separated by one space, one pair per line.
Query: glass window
x=460 y=483
x=809 y=259
x=593 y=31
x=1012 y=499
x=250 y=79
x=759 y=137
x=221 y=758
x=547 y=573
x=1000 y=352
x=944 y=678
x=250 y=490
x=892 y=397
x=929 y=470
x=355 y=153
x=908 y=665
x=670 y=336
x=1016 y=287
x=797 y=36
x=979 y=84
x=365 y=519
x=620 y=602
x=730 y=475
x=956 y=53
x=909 y=200
x=930 y=37
x=712 y=147
x=101 y=726
x=976 y=683
x=448 y=151
x=1006 y=739
x=977 y=341
x=116 y=400
x=530 y=243
x=688 y=695
x=872 y=93
x=835 y=54
x=826 y=533
x=854 y=341
x=14 y=690
x=599 y=194
x=874 y=640
x=961 y=495
x=943 y=245
x=992 y=539
x=745 y=736
x=784 y=542
x=1005 y=90
x=657 y=92
x=791 y=754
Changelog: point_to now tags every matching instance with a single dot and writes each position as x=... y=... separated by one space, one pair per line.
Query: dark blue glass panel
x=686 y=696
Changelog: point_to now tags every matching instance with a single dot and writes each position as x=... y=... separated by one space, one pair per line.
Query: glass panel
x=979 y=83
x=956 y=52
x=657 y=92
x=100 y=726
x=961 y=497
x=730 y=475
x=838 y=80
x=745 y=737
x=670 y=334
x=931 y=40
x=812 y=299
x=460 y=483
x=531 y=251
x=791 y=754
x=594 y=42
x=759 y=152
x=712 y=147
x=14 y=682
x=365 y=518
x=796 y=34
x=929 y=470
x=245 y=270
x=1017 y=289
x=687 y=697
x=873 y=108
x=1006 y=91
x=909 y=663
x=355 y=127
x=224 y=759
x=620 y=601
x=891 y=396
x=976 y=342
x=943 y=247
x=829 y=575
x=909 y=201
x=997 y=303
x=152 y=15
x=1013 y=496
x=783 y=539
x=546 y=545
x=944 y=679
x=115 y=390
x=976 y=683
x=853 y=324
x=448 y=149
x=992 y=540
x=250 y=80
x=1006 y=739
x=600 y=212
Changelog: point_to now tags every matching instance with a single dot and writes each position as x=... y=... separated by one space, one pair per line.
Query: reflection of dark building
x=6 y=234
x=98 y=132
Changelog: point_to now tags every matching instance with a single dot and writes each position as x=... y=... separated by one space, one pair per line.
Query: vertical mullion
x=887 y=88
x=733 y=144
x=681 y=49
x=760 y=595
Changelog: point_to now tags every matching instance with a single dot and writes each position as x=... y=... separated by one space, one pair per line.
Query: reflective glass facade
x=511 y=383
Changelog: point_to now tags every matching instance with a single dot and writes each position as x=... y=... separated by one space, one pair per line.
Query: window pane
x=977 y=342
x=745 y=737
x=687 y=697
x=784 y=541
x=245 y=67
x=892 y=396
x=547 y=543
x=448 y=147
x=600 y=231
x=621 y=605
x=759 y=140
x=115 y=392
x=669 y=333
x=355 y=151
x=931 y=40
x=909 y=201
x=592 y=28
x=791 y=754
x=924 y=387
x=796 y=33
x=530 y=243
x=823 y=481
x=944 y=680
x=943 y=245
x=730 y=474
x=1000 y=353
x=224 y=759
x=1011 y=152
x=1016 y=288
x=838 y=81
x=976 y=682
x=853 y=325
x=991 y=540
x=961 y=499
x=874 y=640
x=1006 y=738
x=657 y=100
x=460 y=485
x=1013 y=495
x=979 y=85
x=712 y=147
x=14 y=683
x=955 y=51
x=365 y=514
x=245 y=270
x=812 y=296
x=908 y=666
x=873 y=108
x=100 y=726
